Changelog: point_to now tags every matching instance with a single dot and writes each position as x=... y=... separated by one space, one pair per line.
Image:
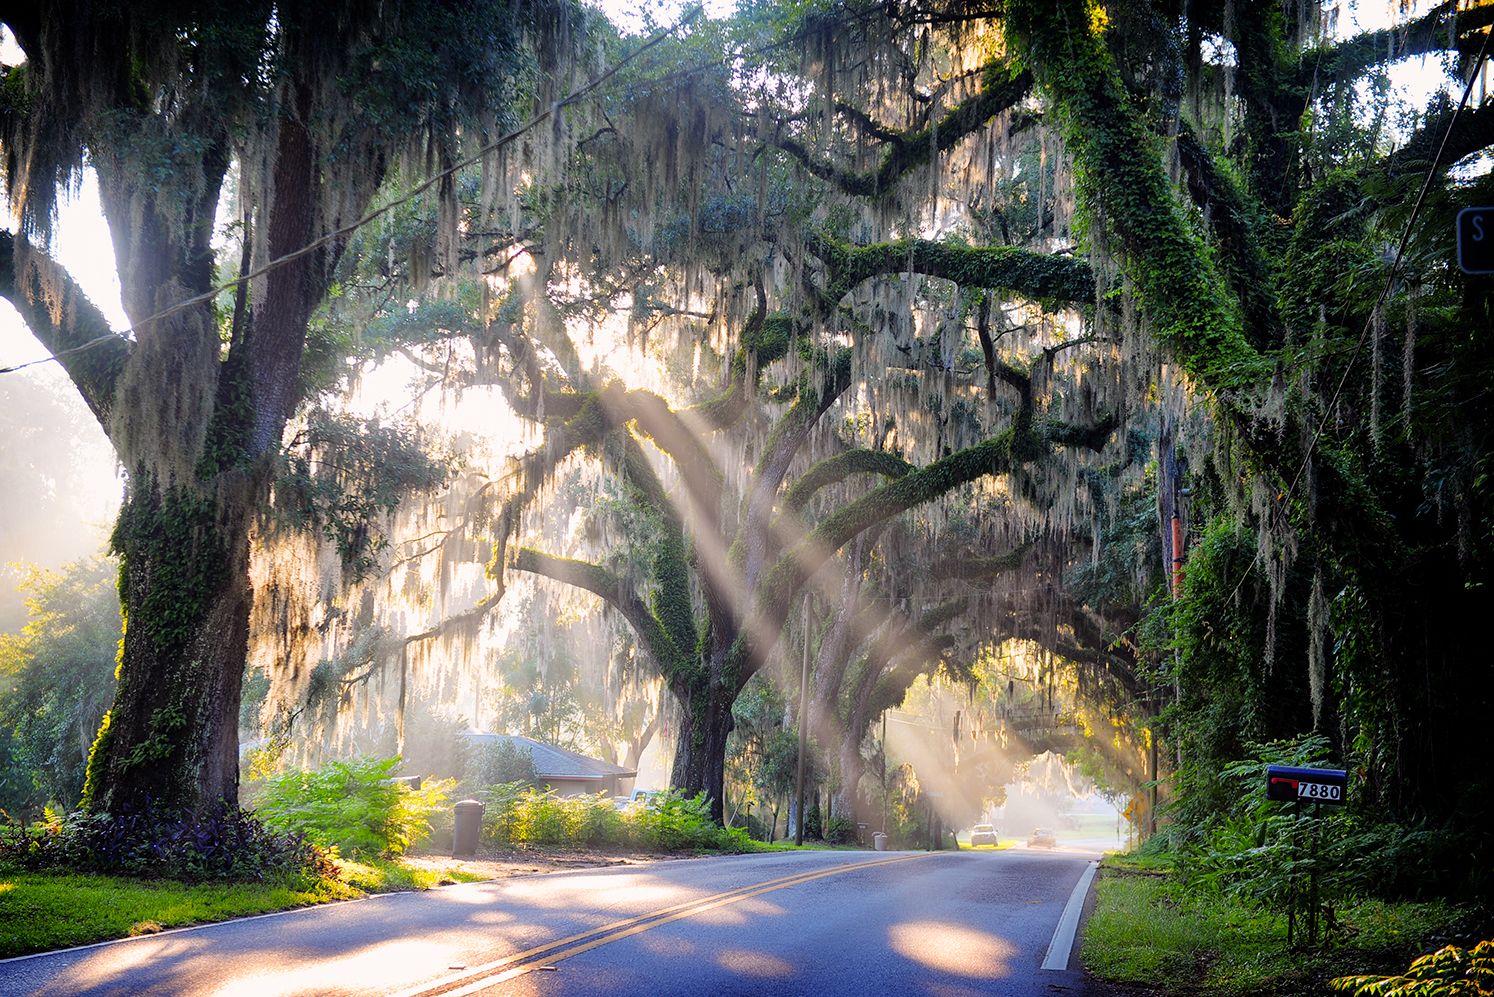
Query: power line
x=379 y=212
x=586 y=91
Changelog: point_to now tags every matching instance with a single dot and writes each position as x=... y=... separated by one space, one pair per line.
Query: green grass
x=40 y=911
x=1145 y=931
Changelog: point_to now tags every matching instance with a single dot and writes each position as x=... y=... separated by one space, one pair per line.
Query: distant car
x=982 y=834
x=1041 y=837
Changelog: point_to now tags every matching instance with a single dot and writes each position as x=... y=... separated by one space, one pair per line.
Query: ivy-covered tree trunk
x=160 y=100
x=171 y=739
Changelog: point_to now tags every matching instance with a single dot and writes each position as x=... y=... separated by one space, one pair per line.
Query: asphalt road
x=821 y=923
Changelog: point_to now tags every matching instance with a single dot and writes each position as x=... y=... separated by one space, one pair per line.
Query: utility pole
x=803 y=721
x=884 y=771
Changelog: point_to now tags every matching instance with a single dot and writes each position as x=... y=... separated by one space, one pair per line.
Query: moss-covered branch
x=1233 y=220
x=780 y=584
x=62 y=318
x=1470 y=132
x=1001 y=89
x=672 y=605
x=892 y=665
x=977 y=568
x=675 y=665
x=1039 y=276
x=1119 y=168
x=765 y=340
x=839 y=467
x=1432 y=32
x=818 y=391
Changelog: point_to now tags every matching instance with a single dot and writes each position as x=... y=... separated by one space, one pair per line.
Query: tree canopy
x=861 y=335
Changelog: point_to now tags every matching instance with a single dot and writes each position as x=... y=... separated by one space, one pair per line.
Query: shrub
x=813 y=826
x=501 y=807
x=671 y=822
x=226 y=844
x=840 y=831
x=352 y=806
x=490 y=763
x=518 y=814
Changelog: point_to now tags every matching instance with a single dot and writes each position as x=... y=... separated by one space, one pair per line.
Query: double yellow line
x=511 y=966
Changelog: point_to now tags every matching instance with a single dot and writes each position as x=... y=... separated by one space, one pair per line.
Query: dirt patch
x=505 y=864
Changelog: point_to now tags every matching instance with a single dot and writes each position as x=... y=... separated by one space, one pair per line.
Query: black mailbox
x=1285 y=783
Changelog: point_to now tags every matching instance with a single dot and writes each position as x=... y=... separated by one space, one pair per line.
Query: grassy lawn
x=40 y=911
x=1145 y=932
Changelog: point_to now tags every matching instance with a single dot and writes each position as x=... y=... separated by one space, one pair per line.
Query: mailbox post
x=1320 y=787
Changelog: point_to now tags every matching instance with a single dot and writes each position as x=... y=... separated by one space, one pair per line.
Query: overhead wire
x=589 y=90
x=348 y=229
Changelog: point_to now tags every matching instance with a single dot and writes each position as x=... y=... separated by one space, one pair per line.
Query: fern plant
x=353 y=806
x=1449 y=972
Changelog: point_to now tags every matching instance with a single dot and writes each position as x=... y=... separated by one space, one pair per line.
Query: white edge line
x=1068 y=923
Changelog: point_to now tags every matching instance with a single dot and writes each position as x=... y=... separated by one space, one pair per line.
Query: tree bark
x=700 y=745
x=171 y=739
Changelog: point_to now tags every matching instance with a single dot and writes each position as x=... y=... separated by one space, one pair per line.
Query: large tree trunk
x=700 y=748
x=848 y=800
x=171 y=739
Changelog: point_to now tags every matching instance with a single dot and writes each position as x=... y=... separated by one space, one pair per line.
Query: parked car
x=641 y=797
x=982 y=834
x=1041 y=837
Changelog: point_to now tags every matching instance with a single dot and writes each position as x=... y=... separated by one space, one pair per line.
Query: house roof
x=551 y=762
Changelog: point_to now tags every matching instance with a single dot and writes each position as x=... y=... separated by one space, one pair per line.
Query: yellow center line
x=545 y=954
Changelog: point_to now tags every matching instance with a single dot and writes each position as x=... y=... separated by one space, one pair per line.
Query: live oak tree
x=303 y=110
x=1247 y=224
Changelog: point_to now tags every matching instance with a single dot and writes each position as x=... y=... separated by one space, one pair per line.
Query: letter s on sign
x=1478 y=227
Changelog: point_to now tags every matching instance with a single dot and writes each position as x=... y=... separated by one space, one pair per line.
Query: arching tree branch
x=674 y=663
x=62 y=318
x=1001 y=89
x=1432 y=32
x=1039 y=276
x=839 y=467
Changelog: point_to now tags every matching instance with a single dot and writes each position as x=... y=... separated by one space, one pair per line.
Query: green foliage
x=1259 y=851
x=840 y=830
x=56 y=679
x=352 y=806
x=493 y=763
x=344 y=476
x=1449 y=972
x=813 y=822
x=519 y=814
x=1149 y=931
x=224 y=843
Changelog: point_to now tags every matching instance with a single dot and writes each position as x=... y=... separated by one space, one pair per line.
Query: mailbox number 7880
x=1318 y=791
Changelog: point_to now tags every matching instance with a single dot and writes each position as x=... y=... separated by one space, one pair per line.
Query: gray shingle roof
x=551 y=762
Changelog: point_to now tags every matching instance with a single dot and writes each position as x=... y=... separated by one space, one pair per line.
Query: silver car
x=982 y=834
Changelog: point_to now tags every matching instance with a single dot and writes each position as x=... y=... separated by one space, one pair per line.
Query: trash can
x=467 y=828
x=879 y=841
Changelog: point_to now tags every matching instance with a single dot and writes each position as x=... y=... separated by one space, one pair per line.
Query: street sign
x=1476 y=240
x=1285 y=783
